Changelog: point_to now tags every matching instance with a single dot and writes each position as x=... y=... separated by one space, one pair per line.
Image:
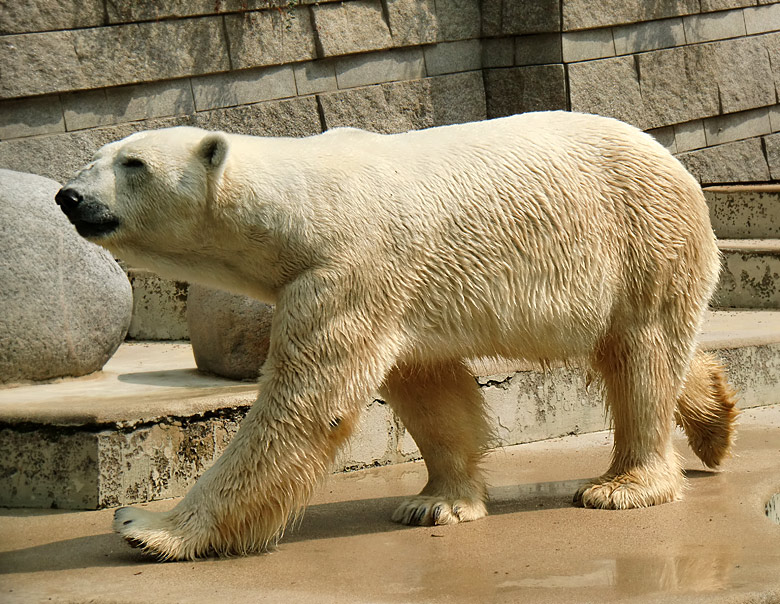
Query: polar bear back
x=524 y=228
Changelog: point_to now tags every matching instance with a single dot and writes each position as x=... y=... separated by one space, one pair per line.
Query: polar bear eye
x=132 y=162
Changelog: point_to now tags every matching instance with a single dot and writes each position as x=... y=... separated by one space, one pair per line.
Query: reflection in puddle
x=633 y=576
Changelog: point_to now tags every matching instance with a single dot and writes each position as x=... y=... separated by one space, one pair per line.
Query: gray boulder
x=65 y=304
x=229 y=333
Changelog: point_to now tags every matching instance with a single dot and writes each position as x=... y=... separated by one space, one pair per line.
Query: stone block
x=521 y=89
x=66 y=303
x=772 y=44
x=772 y=145
x=582 y=14
x=292 y=117
x=714 y=26
x=49 y=15
x=538 y=49
x=350 y=27
x=453 y=57
x=520 y=17
x=30 y=117
x=409 y=105
x=107 y=106
x=240 y=88
x=708 y=79
x=740 y=161
x=587 y=45
x=677 y=86
x=736 y=126
x=652 y=35
x=498 y=52
x=230 y=334
x=315 y=76
x=689 y=135
x=412 y=22
x=608 y=87
x=457 y=20
x=111 y=56
x=270 y=37
x=159 y=307
x=739 y=88
x=760 y=19
x=376 y=68
x=469 y=90
x=386 y=108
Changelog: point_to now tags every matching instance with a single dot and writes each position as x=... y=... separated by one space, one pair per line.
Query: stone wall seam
x=762 y=19
x=737 y=126
x=720 y=25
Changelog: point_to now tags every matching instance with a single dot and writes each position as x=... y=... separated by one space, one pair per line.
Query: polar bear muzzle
x=91 y=218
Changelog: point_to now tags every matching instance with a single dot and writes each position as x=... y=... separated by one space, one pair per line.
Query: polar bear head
x=148 y=193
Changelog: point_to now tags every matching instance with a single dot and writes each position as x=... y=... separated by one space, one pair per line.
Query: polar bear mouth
x=90 y=230
x=91 y=218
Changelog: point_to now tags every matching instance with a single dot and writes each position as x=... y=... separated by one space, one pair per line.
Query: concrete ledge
x=751 y=274
x=745 y=212
x=148 y=425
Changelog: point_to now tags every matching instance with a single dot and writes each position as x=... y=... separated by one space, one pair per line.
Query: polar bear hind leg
x=443 y=409
x=643 y=368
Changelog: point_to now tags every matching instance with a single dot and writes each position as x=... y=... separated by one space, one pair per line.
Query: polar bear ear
x=213 y=149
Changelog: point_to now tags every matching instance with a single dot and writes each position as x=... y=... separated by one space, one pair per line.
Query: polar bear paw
x=625 y=492
x=154 y=533
x=429 y=511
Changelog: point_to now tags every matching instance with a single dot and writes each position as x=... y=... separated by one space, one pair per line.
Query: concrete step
x=159 y=307
x=149 y=424
x=745 y=211
x=751 y=274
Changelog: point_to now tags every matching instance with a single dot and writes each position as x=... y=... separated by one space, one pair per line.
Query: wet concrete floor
x=716 y=545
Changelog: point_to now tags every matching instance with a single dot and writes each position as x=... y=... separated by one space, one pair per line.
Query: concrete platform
x=148 y=425
x=714 y=546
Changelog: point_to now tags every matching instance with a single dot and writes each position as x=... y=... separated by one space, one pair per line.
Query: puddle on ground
x=641 y=575
x=773 y=508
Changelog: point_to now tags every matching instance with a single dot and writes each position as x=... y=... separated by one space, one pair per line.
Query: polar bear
x=391 y=259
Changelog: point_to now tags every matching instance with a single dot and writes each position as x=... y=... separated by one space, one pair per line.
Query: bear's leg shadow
x=643 y=367
x=443 y=409
x=322 y=367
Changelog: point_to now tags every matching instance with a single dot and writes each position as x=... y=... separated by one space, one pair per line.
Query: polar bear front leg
x=443 y=409
x=320 y=371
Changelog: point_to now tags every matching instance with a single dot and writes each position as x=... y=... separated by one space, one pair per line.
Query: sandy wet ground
x=716 y=545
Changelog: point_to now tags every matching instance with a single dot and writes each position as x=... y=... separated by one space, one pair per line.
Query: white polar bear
x=391 y=259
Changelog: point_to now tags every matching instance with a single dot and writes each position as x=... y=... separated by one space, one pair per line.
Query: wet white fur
x=391 y=259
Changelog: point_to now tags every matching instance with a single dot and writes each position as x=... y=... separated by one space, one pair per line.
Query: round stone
x=229 y=333
x=66 y=303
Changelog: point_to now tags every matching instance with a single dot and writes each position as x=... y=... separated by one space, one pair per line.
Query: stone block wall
x=702 y=75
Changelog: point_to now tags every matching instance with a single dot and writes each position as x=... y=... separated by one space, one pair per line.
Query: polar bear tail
x=706 y=409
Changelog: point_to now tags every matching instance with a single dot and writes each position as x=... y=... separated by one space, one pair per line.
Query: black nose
x=68 y=199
